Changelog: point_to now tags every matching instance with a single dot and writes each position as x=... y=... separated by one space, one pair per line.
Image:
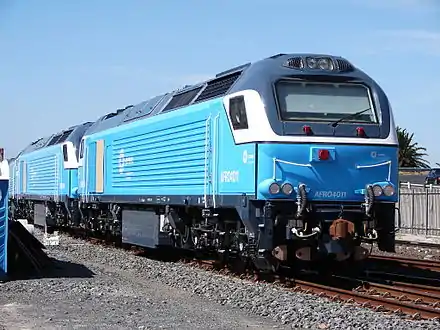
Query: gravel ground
x=132 y=292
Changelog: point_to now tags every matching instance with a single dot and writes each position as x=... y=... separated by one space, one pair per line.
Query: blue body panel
x=42 y=173
x=3 y=227
x=12 y=178
x=189 y=152
x=73 y=183
x=340 y=178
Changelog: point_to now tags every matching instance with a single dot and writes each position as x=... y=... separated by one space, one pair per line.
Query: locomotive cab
x=327 y=158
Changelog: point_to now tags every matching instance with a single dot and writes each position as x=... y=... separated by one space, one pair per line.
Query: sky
x=66 y=62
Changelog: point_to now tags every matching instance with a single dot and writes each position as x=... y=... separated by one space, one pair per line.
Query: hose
x=369 y=199
x=301 y=200
x=300 y=233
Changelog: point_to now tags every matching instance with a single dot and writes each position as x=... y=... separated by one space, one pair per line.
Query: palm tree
x=410 y=153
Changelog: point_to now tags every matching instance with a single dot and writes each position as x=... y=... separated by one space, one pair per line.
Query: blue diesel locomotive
x=44 y=178
x=291 y=157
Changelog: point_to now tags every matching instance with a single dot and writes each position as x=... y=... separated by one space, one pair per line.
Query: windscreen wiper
x=336 y=123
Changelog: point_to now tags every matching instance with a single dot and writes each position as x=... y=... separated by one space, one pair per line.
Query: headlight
x=274 y=188
x=287 y=188
x=311 y=62
x=377 y=190
x=388 y=190
x=325 y=64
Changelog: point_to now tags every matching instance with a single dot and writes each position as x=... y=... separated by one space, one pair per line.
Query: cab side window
x=65 y=155
x=81 y=149
x=237 y=112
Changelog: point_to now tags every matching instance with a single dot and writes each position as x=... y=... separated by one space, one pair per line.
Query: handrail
x=214 y=159
x=205 y=193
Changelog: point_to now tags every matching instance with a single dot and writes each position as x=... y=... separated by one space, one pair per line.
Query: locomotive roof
x=223 y=83
x=189 y=94
x=72 y=133
x=232 y=80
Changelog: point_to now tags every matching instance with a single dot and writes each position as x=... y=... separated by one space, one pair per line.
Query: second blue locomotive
x=292 y=157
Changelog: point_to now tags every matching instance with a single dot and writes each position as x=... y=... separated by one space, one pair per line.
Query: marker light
x=325 y=64
x=360 y=131
x=287 y=188
x=307 y=129
x=311 y=62
x=274 y=188
x=323 y=154
x=388 y=190
x=377 y=190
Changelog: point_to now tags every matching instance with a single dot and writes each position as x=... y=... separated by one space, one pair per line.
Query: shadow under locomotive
x=28 y=260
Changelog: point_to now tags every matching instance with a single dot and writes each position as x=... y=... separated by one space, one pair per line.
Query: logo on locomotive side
x=247 y=157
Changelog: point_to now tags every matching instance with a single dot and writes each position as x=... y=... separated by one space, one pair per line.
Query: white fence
x=419 y=210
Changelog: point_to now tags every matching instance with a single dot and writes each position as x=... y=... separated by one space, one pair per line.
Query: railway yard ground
x=91 y=286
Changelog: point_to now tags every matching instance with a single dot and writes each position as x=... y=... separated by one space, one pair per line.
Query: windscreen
x=310 y=101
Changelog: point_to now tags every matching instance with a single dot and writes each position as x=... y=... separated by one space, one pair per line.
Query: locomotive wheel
x=186 y=238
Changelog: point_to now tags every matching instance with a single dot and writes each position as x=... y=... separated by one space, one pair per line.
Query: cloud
x=414 y=40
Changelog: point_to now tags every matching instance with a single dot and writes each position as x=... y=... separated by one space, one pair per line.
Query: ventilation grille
x=54 y=140
x=180 y=100
x=59 y=138
x=294 y=62
x=64 y=136
x=344 y=65
x=218 y=87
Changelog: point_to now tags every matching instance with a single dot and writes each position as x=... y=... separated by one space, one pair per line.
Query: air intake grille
x=344 y=65
x=294 y=62
x=218 y=87
x=64 y=136
x=180 y=100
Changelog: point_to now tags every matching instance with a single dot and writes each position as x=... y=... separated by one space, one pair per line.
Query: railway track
x=413 y=300
x=382 y=298
x=431 y=265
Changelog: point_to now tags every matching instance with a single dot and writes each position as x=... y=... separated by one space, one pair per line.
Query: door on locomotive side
x=82 y=168
x=91 y=168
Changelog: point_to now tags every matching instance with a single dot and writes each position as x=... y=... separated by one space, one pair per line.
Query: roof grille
x=182 y=99
x=344 y=65
x=218 y=87
x=59 y=138
x=64 y=136
x=294 y=62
